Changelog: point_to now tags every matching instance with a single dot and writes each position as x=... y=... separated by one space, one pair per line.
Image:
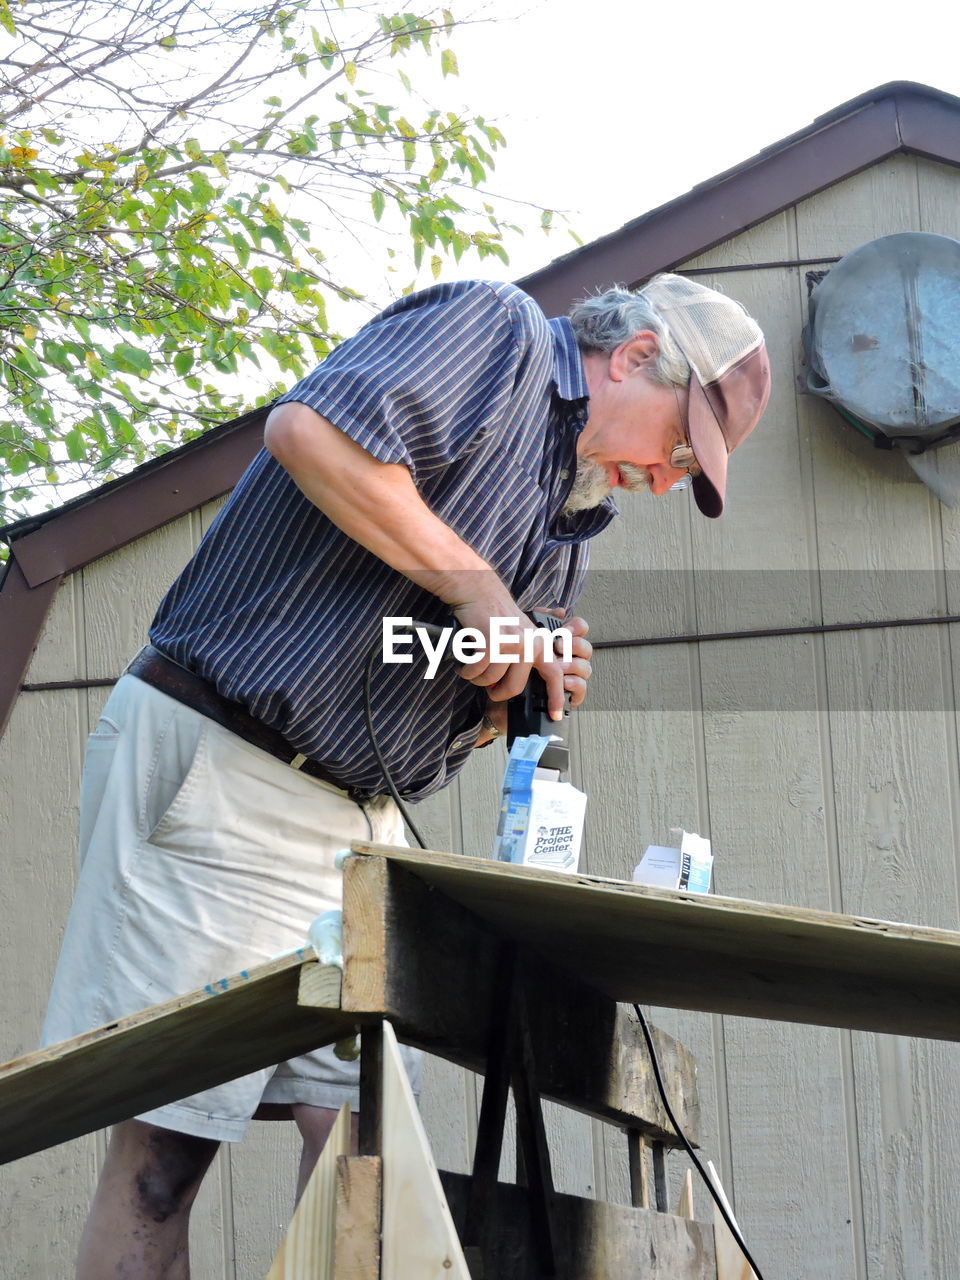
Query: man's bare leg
x=315 y=1124
x=140 y=1217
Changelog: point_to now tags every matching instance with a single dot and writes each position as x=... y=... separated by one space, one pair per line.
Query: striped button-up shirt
x=470 y=387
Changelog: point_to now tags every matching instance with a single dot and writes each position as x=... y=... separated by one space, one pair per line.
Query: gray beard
x=591 y=484
x=590 y=487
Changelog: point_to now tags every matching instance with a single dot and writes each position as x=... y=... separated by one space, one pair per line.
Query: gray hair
x=605 y=320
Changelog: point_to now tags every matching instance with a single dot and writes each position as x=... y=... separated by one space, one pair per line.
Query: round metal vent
x=884 y=338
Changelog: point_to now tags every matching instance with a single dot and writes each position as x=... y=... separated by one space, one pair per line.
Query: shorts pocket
x=179 y=768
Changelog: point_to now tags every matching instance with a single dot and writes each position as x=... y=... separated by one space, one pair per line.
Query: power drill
x=527 y=714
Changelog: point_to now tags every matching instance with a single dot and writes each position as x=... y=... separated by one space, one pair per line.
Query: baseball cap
x=729 y=378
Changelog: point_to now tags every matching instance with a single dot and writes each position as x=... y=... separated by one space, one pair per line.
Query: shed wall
x=824 y=767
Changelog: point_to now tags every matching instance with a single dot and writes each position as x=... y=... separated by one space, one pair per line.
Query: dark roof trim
x=898 y=117
x=27 y=609
x=154 y=494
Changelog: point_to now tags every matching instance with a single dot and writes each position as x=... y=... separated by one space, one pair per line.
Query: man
x=454 y=457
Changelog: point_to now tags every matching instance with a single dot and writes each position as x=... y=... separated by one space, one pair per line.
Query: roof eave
x=900 y=117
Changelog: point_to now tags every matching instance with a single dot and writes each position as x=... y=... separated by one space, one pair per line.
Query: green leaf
x=350 y=71
x=276 y=237
x=448 y=63
x=262 y=277
x=76 y=446
x=241 y=248
x=6 y=18
x=136 y=360
x=378 y=202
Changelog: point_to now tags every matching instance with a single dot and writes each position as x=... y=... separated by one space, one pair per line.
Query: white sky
x=611 y=108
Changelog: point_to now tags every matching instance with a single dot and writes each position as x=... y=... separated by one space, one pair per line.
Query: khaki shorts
x=200 y=856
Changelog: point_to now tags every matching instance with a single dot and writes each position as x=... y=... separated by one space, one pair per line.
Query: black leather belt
x=153 y=667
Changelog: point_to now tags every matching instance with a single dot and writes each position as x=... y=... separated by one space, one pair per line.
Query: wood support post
x=532 y=1139
x=660 y=1177
x=371 y=1090
x=639 y=1172
x=493 y=1105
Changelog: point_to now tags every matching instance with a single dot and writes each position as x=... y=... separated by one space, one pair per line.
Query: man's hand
x=577 y=672
x=505 y=679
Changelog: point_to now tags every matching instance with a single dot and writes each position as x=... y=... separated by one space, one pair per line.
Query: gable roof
x=896 y=118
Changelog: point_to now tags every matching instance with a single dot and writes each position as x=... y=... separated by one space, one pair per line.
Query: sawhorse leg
x=510 y=1062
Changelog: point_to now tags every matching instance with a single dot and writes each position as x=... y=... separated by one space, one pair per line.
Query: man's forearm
x=378 y=506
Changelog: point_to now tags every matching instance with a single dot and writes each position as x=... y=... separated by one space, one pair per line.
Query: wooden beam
x=419 y=1238
x=307 y=1250
x=600 y=1241
x=359 y=1189
x=700 y=951
x=425 y=962
x=235 y=1025
x=685 y=1203
x=731 y=1262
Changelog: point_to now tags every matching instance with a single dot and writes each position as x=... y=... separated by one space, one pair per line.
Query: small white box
x=541 y=818
x=689 y=867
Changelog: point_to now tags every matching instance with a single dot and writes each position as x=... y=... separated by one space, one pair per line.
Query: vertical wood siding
x=839 y=789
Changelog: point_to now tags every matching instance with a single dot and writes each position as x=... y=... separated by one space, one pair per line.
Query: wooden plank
x=307 y=1249
x=731 y=1262
x=359 y=1187
x=638 y=1171
x=419 y=1238
x=702 y=951
x=602 y=1241
x=371 y=1091
x=236 y=1025
x=685 y=1203
x=416 y=956
x=448 y=1102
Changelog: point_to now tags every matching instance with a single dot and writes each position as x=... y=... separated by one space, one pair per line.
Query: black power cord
x=658 y=1076
x=368 y=716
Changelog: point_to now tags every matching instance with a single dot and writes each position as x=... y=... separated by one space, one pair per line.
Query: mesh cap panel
x=713 y=331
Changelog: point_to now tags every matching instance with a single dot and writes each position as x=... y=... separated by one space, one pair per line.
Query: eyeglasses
x=682 y=457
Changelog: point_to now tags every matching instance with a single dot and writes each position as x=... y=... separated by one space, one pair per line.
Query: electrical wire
x=658 y=1076
x=368 y=716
